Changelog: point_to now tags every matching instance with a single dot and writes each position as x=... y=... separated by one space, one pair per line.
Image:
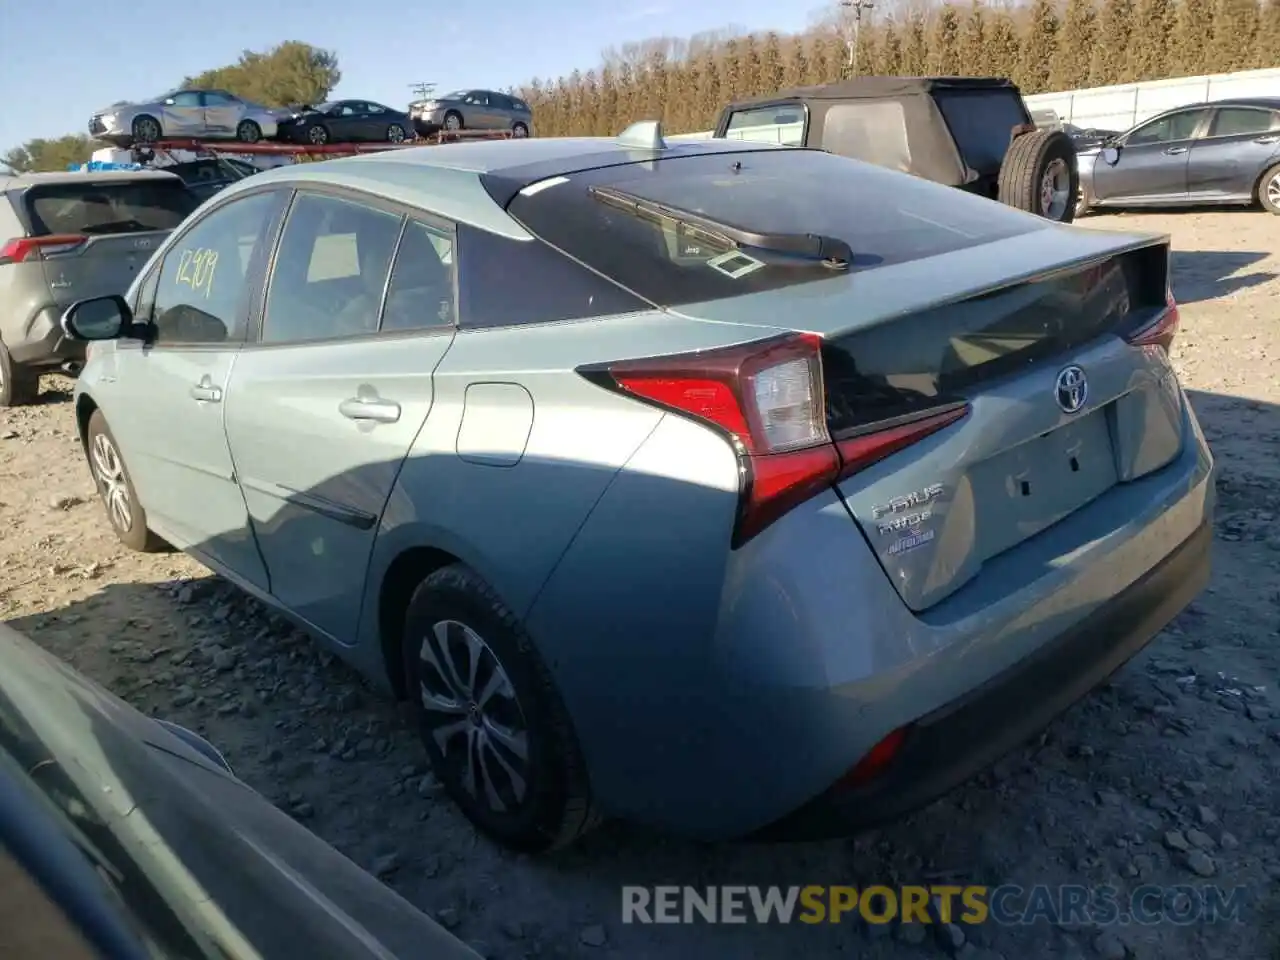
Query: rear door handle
x=206 y=392
x=1174 y=151
x=1270 y=138
x=369 y=408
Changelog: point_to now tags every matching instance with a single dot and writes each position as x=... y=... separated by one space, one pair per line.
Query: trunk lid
x=1061 y=408
x=119 y=224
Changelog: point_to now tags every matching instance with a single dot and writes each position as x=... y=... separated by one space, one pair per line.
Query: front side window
x=1167 y=129
x=187 y=98
x=202 y=293
x=330 y=270
x=478 y=97
x=420 y=292
x=781 y=123
x=1242 y=121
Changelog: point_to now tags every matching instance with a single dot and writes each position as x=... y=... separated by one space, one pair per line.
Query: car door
x=222 y=112
x=326 y=401
x=479 y=114
x=377 y=119
x=166 y=397
x=183 y=115
x=344 y=123
x=1151 y=161
x=1240 y=144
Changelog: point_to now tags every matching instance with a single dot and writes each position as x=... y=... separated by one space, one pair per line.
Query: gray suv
x=65 y=237
x=472 y=110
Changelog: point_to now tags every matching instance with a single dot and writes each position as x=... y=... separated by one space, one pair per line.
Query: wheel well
x=1257 y=187
x=84 y=410
x=402 y=578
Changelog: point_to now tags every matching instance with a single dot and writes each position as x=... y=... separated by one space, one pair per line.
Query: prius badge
x=1072 y=389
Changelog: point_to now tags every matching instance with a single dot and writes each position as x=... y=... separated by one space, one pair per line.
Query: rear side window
x=1236 y=121
x=884 y=217
x=783 y=124
x=870 y=130
x=100 y=207
x=420 y=292
x=330 y=270
x=982 y=122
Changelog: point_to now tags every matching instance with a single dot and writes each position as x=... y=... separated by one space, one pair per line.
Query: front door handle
x=206 y=392
x=1174 y=151
x=1269 y=138
x=370 y=408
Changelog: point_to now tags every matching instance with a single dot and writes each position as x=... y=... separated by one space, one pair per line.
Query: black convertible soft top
x=931 y=148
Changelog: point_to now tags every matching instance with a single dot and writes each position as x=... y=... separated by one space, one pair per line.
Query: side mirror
x=1111 y=155
x=102 y=318
x=169 y=102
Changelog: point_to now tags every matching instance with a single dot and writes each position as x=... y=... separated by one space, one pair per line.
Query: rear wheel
x=19 y=386
x=519 y=130
x=1269 y=190
x=1039 y=175
x=248 y=132
x=126 y=515
x=494 y=727
x=145 y=129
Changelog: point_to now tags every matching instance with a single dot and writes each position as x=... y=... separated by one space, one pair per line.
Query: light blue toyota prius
x=738 y=490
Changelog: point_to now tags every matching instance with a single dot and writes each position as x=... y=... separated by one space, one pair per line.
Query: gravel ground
x=1165 y=776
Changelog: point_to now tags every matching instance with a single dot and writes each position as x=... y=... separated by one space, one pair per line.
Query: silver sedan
x=186 y=113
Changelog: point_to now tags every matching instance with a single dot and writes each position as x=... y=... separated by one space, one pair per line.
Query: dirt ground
x=1166 y=776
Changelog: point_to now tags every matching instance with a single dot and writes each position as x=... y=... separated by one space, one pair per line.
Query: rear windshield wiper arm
x=816 y=246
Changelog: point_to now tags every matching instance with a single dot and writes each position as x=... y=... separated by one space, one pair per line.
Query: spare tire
x=1039 y=175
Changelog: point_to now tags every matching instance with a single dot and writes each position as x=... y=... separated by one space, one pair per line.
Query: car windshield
x=456 y=95
x=97 y=207
x=790 y=198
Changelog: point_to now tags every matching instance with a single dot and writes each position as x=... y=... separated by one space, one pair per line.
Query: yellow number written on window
x=196 y=269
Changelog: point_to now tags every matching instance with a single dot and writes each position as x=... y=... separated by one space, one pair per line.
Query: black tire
x=519 y=130
x=248 y=132
x=1034 y=158
x=555 y=807
x=1269 y=190
x=127 y=519
x=146 y=129
x=19 y=385
x=317 y=134
x=396 y=134
x=452 y=120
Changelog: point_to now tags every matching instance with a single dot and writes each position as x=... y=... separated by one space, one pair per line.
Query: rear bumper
x=44 y=346
x=949 y=745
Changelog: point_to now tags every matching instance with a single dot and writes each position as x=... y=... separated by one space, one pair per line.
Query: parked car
x=974 y=133
x=731 y=488
x=212 y=114
x=205 y=176
x=64 y=237
x=1222 y=152
x=472 y=110
x=124 y=838
x=346 y=121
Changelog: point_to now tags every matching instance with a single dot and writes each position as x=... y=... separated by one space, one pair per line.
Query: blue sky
x=62 y=59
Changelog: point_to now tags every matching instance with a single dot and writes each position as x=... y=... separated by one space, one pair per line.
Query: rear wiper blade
x=830 y=250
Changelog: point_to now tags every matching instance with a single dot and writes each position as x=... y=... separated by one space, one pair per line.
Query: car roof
x=1272 y=103
x=871 y=88
x=21 y=181
x=448 y=179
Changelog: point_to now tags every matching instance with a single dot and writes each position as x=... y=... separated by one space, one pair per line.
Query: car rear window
x=885 y=218
x=982 y=122
x=98 y=208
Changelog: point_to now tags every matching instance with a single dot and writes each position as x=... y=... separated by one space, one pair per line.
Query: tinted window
x=870 y=130
x=214 y=99
x=330 y=270
x=32 y=926
x=519 y=104
x=185 y=99
x=420 y=293
x=539 y=285
x=97 y=207
x=500 y=101
x=1175 y=126
x=884 y=217
x=1230 y=121
x=202 y=293
x=478 y=97
x=982 y=122
x=777 y=124
x=377 y=108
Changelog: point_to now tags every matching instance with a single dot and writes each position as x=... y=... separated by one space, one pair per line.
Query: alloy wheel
x=1055 y=186
x=1273 y=190
x=473 y=716
x=451 y=122
x=108 y=471
x=395 y=134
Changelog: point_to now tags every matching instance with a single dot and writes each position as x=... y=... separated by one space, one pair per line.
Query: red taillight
x=1160 y=331
x=875 y=761
x=767 y=397
x=29 y=248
